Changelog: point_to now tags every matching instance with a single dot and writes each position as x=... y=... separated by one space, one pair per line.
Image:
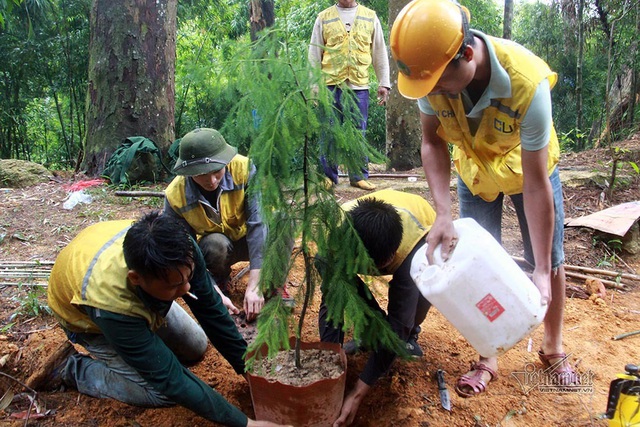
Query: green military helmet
x=203 y=151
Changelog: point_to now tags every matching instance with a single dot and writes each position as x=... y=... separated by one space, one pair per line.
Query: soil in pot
x=310 y=396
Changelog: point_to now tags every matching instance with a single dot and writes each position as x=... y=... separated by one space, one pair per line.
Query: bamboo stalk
x=140 y=193
x=607 y=283
x=43 y=285
x=23 y=273
x=602 y=272
x=609 y=273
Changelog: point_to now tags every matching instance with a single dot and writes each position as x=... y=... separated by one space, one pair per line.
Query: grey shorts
x=489 y=215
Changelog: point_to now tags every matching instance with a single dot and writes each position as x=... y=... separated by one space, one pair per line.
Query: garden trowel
x=445 y=401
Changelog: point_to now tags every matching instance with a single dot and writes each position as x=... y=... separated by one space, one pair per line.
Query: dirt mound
x=34 y=226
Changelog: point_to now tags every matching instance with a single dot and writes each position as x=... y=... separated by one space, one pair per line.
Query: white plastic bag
x=75 y=198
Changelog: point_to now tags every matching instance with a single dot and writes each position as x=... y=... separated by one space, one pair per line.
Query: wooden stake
x=609 y=273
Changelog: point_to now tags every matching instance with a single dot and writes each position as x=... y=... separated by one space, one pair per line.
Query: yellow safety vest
x=233 y=218
x=347 y=55
x=417 y=218
x=490 y=162
x=91 y=271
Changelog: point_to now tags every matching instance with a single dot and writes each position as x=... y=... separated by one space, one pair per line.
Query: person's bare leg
x=553 y=321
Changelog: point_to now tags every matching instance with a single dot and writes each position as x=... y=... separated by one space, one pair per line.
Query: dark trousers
x=220 y=253
x=406 y=308
x=362 y=101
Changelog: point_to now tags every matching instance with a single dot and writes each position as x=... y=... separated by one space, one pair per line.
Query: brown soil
x=34 y=227
x=315 y=365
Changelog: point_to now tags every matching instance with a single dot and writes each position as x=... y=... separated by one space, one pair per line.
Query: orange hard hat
x=425 y=37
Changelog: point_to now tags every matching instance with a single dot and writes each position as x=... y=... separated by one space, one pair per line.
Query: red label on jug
x=490 y=307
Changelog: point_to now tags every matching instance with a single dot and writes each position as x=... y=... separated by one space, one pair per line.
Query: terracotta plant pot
x=314 y=405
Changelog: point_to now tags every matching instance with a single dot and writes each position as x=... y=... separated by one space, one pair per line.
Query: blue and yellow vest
x=417 y=218
x=91 y=271
x=490 y=162
x=347 y=55
x=233 y=218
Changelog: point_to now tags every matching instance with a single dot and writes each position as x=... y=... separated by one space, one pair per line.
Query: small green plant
x=572 y=140
x=288 y=115
x=611 y=248
x=65 y=229
x=620 y=163
x=4 y=329
x=98 y=214
x=31 y=302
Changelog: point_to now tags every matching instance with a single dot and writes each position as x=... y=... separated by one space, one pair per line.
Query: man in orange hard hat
x=491 y=99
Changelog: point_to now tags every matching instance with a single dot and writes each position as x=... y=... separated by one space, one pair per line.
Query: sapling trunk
x=288 y=116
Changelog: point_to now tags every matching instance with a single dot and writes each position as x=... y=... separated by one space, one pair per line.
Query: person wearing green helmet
x=210 y=196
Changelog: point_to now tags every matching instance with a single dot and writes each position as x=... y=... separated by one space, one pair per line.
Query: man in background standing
x=347 y=38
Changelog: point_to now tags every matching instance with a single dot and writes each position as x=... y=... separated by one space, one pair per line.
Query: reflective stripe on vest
x=91 y=271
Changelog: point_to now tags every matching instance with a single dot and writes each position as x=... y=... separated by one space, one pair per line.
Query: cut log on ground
x=140 y=193
x=607 y=283
x=570 y=271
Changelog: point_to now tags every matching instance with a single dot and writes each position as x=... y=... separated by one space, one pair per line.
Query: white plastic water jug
x=481 y=290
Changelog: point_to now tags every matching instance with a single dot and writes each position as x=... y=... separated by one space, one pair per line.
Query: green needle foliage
x=287 y=114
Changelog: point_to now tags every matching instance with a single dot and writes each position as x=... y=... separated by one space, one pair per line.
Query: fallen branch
x=32 y=398
x=607 y=283
x=625 y=335
x=140 y=193
x=15 y=274
x=17 y=381
x=44 y=285
x=15 y=264
x=386 y=175
x=33 y=331
x=573 y=291
x=570 y=272
x=602 y=272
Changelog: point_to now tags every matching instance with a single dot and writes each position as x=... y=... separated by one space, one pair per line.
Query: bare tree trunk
x=634 y=72
x=579 y=64
x=132 y=54
x=616 y=94
x=262 y=15
x=403 y=117
x=508 y=19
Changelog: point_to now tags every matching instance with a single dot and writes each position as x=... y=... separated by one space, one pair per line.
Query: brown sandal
x=474 y=382
x=561 y=373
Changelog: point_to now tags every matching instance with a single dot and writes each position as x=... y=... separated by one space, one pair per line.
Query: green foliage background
x=44 y=55
x=284 y=115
